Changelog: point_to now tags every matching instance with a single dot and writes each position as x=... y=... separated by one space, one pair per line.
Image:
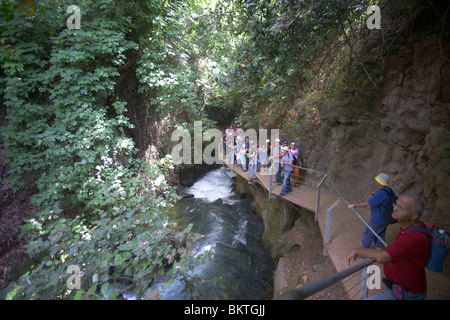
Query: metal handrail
x=316 y=286
x=359 y=216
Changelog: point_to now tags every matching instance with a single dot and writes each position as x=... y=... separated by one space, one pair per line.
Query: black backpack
x=389 y=207
x=295 y=157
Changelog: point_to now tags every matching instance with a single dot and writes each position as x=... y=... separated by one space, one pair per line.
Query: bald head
x=417 y=203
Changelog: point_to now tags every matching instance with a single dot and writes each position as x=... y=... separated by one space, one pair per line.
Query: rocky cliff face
x=407 y=136
x=405 y=133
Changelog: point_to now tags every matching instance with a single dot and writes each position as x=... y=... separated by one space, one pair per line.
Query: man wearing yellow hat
x=377 y=205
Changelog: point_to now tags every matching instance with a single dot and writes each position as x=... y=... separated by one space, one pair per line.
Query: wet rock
x=152 y=294
x=186 y=195
x=281 y=284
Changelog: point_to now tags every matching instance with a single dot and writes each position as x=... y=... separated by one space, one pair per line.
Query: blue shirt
x=288 y=158
x=377 y=204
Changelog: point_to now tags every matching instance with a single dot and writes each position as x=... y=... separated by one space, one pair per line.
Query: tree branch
x=357 y=58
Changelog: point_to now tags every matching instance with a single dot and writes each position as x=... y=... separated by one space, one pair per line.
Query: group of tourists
x=253 y=158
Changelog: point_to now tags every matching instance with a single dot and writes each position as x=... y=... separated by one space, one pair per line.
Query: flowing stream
x=242 y=267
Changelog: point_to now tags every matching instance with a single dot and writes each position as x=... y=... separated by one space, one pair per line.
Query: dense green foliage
x=278 y=48
x=97 y=206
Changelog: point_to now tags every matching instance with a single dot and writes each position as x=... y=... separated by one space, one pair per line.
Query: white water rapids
x=242 y=267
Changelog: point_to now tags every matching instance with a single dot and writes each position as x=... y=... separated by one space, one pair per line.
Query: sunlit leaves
x=278 y=43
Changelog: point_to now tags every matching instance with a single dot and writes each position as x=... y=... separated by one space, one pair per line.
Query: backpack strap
x=388 y=190
x=425 y=230
x=389 y=193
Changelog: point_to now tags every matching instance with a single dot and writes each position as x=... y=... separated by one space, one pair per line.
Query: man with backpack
x=286 y=163
x=296 y=162
x=404 y=260
x=381 y=207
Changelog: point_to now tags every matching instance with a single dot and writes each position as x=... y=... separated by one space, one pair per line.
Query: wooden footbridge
x=343 y=230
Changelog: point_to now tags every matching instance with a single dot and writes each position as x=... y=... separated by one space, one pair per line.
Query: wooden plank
x=438 y=285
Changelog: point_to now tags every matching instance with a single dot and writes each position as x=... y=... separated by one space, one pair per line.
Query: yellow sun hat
x=382 y=179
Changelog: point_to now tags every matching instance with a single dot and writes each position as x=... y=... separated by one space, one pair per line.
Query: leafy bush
x=97 y=206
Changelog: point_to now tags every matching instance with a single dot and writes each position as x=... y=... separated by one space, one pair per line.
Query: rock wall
x=406 y=134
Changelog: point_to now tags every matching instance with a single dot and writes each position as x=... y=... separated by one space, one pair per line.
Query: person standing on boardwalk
x=377 y=204
x=277 y=154
x=243 y=156
x=262 y=159
x=252 y=156
x=404 y=260
x=294 y=151
x=286 y=163
x=230 y=141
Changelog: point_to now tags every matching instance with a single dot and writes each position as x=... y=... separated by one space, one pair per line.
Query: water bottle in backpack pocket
x=438 y=244
x=438 y=251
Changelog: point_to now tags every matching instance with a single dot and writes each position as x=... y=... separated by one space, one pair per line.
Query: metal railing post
x=272 y=164
x=270 y=180
x=363 y=290
x=328 y=226
x=319 y=189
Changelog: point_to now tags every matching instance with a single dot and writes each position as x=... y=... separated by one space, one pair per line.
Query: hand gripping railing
x=316 y=286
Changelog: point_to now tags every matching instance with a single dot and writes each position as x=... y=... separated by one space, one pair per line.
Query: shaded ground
x=306 y=264
x=14 y=209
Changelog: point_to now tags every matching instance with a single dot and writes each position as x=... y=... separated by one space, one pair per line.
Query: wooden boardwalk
x=346 y=231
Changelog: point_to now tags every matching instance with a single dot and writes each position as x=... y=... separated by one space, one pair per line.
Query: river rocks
x=281 y=284
x=152 y=294
x=191 y=238
x=186 y=195
x=189 y=173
